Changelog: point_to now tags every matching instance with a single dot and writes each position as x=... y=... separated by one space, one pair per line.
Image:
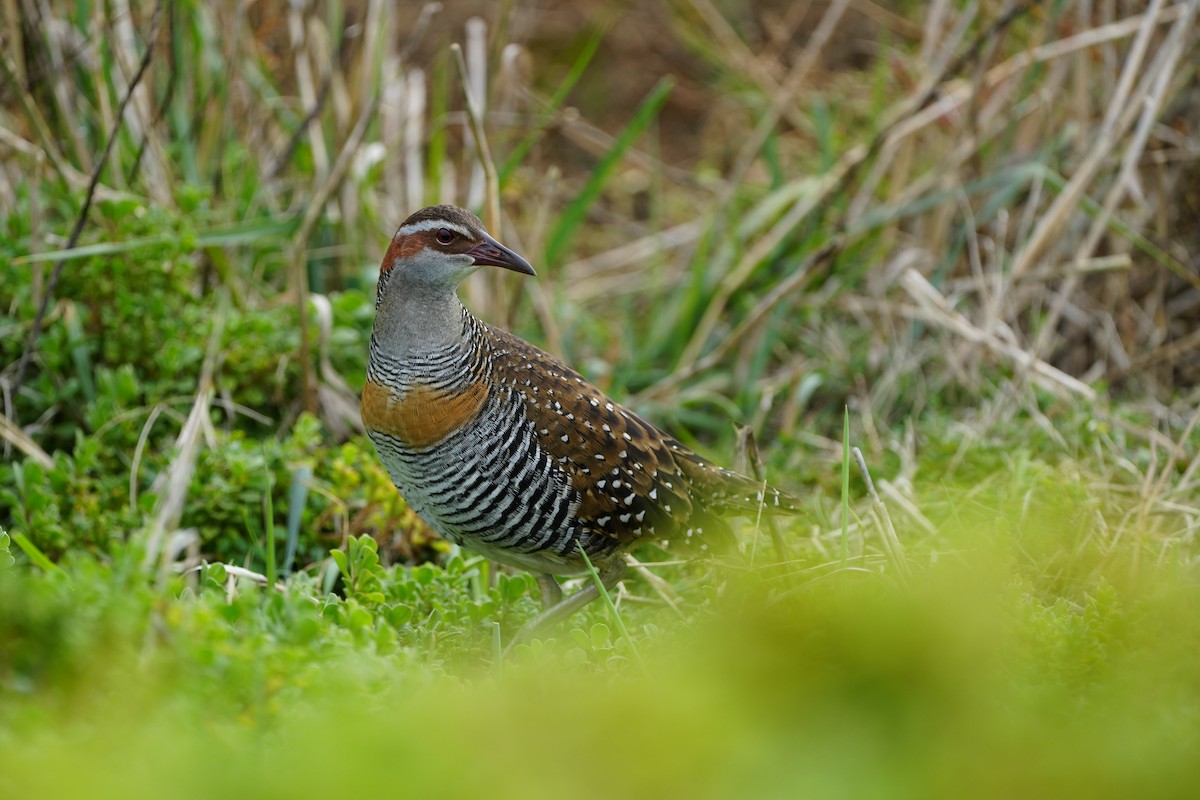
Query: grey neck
x=413 y=320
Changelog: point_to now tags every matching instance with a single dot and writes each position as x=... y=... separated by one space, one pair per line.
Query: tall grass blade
x=34 y=554
x=845 y=484
x=218 y=237
x=575 y=212
x=297 y=498
x=268 y=524
x=560 y=95
x=613 y=613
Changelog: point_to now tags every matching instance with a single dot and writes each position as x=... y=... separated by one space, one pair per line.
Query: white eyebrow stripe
x=431 y=224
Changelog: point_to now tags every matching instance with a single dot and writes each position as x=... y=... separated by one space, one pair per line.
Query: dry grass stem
x=934 y=308
x=173 y=484
x=13 y=435
x=883 y=520
x=664 y=589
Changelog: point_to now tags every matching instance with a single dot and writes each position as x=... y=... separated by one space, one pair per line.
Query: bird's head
x=439 y=246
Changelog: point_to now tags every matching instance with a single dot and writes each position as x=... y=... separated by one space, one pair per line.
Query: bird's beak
x=491 y=253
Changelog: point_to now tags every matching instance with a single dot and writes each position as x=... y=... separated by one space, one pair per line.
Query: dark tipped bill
x=491 y=253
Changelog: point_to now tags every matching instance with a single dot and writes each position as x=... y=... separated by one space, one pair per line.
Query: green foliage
x=948 y=682
x=259 y=358
x=359 y=565
x=74 y=503
x=62 y=628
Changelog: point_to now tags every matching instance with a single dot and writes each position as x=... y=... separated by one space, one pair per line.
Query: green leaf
x=600 y=635
x=359 y=617
x=512 y=587
x=35 y=555
x=217 y=573
x=400 y=615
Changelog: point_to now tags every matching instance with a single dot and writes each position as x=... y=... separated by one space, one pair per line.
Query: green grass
x=1031 y=652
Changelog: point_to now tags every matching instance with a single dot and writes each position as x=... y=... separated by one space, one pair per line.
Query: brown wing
x=633 y=479
x=623 y=468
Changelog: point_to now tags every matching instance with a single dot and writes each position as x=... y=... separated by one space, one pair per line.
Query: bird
x=506 y=450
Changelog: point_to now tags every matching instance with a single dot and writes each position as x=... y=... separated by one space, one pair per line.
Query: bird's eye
x=445 y=236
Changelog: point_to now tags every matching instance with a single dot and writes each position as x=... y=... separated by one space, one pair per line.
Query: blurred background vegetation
x=969 y=226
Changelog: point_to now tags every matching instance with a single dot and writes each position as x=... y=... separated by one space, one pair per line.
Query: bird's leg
x=551 y=591
x=610 y=574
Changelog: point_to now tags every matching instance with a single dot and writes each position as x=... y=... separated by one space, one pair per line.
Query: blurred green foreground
x=1032 y=654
